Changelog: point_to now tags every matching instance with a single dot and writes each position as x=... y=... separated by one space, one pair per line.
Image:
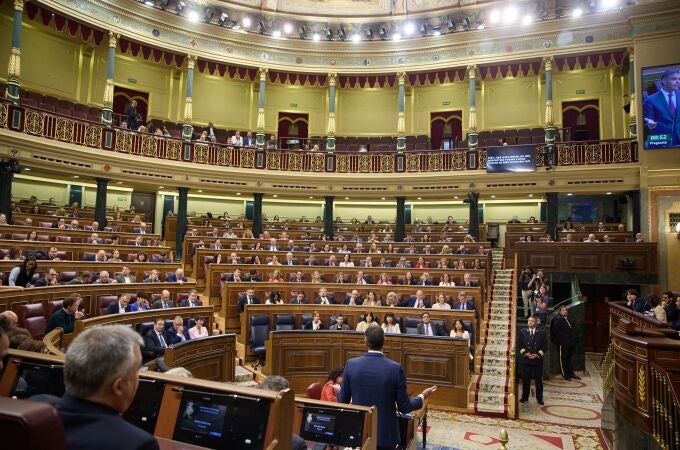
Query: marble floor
x=570 y=419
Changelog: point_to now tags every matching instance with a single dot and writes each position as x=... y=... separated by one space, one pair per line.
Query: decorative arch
x=582 y=118
x=293 y=125
x=445 y=125
x=123 y=96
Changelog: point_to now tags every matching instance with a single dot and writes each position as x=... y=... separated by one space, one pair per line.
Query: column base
x=107 y=116
x=330 y=144
x=550 y=135
x=401 y=144
x=187 y=131
x=473 y=142
x=632 y=128
x=259 y=139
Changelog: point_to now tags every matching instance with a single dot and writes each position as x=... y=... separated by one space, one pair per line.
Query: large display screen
x=515 y=158
x=660 y=114
x=335 y=426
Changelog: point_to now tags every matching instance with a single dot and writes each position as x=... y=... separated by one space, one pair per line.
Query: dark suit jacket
x=639 y=305
x=529 y=344
x=152 y=344
x=242 y=300
x=335 y=327
x=173 y=337
x=158 y=304
x=330 y=298
x=435 y=327
x=373 y=379
x=88 y=425
x=172 y=278
x=185 y=303
x=411 y=301
x=347 y=298
x=656 y=107
x=469 y=305
x=561 y=331
x=61 y=319
x=113 y=308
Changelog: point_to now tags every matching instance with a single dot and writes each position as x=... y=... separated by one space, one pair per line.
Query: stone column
x=187 y=128
x=634 y=202
x=259 y=134
x=14 y=66
x=472 y=127
x=632 y=127
x=473 y=219
x=100 y=202
x=401 y=118
x=328 y=216
x=551 y=219
x=549 y=116
x=400 y=228
x=107 y=110
x=257 y=214
x=181 y=221
x=330 y=140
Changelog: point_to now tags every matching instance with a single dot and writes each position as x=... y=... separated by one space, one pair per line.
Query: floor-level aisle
x=570 y=419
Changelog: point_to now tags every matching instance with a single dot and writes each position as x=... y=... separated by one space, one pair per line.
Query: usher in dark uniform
x=561 y=333
x=532 y=342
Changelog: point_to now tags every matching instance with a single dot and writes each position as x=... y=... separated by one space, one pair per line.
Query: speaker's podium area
x=251 y=185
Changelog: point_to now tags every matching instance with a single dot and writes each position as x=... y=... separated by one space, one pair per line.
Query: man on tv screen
x=662 y=121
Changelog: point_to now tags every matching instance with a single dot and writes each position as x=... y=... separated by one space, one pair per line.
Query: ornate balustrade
x=52 y=126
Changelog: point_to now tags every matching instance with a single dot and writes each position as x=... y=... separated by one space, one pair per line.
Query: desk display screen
x=334 y=426
x=38 y=378
x=660 y=109
x=320 y=423
x=143 y=412
x=222 y=421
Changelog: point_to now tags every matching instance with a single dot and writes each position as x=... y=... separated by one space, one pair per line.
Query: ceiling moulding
x=137 y=22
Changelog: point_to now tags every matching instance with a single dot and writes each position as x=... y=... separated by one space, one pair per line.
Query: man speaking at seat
x=373 y=379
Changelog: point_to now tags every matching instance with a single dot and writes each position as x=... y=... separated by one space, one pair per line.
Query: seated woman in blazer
x=198 y=330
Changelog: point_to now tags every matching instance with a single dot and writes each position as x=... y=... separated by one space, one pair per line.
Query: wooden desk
x=305 y=357
x=76 y=252
x=209 y=358
x=77 y=236
x=513 y=238
x=123 y=226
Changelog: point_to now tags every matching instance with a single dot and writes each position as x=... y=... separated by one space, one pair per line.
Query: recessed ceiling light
x=493 y=196
x=527 y=19
x=494 y=16
x=276 y=33
x=246 y=22
x=578 y=12
x=238 y=193
x=76 y=176
x=119 y=182
x=287 y=28
x=356 y=37
x=420 y=198
x=609 y=193
x=396 y=36
x=200 y=190
x=511 y=14
x=311 y=196
x=409 y=28
x=531 y=195
x=148 y=3
x=161 y=187
x=346 y=198
x=455 y=196
x=382 y=198
x=27 y=169
x=316 y=37
x=275 y=195
x=570 y=194
x=193 y=16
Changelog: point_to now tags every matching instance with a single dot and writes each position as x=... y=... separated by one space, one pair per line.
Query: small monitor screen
x=334 y=426
x=38 y=378
x=221 y=420
x=143 y=412
x=660 y=114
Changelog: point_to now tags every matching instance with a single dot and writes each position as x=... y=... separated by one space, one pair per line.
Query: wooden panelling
x=210 y=358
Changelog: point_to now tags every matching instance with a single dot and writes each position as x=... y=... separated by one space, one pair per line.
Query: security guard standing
x=532 y=348
x=561 y=333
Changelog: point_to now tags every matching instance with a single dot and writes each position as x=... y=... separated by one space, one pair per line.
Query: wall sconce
x=677 y=229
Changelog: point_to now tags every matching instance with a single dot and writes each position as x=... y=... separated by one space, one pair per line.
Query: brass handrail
x=608 y=370
x=665 y=409
x=512 y=388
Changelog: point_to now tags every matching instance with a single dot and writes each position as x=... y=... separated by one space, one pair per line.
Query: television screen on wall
x=515 y=158
x=660 y=110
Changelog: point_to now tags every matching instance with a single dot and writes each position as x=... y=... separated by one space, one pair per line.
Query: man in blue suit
x=660 y=109
x=373 y=379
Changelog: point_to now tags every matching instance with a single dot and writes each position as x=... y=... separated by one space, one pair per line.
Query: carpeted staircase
x=491 y=385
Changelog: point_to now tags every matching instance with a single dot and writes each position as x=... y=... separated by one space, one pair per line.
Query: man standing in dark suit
x=101 y=374
x=532 y=349
x=661 y=114
x=561 y=333
x=428 y=328
x=372 y=379
x=155 y=340
x=247 y=299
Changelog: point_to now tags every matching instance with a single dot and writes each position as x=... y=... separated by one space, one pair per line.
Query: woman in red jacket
x=331 y=389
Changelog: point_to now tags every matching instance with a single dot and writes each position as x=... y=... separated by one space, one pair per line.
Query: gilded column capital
x=402 y=77
x=113 y=39
x=472 y=71
x=548 y=62
x=263 y=71
x=332 y=79
x=19 y=5
x=631 y=54
x=191 y=62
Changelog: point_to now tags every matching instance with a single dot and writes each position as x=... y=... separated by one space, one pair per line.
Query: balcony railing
x=53 y=126
x=665 y=408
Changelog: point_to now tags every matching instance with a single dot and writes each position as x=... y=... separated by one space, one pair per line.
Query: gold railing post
x=503 y=437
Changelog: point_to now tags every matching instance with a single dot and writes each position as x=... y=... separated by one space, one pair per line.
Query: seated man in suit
x=463 y=303
x=403 y=263
x=291 y=247
x=340 y=324
x=416 y=301
x=154 y=277
x=125 y=276
x=361 y=279
x=424 y=280
x=155 y=340
x=92 y=407
x=247 y=299
x=51 y=278
x=331 y=261
x=178 y=332
x=352 y=299
x=299 y=299
x=141 y=304
x=120 y=306
x=161 y=257
x=298 y=277
x=177 y=277
x=359 y=386
x=324 y=298
x=104 y=278
x=290 y=261
x=65 y=317
x=192 y=301
x=462 y=250
x=272 y=247
x=429 y=328
x=164 y=302
x=468 y=282
x=235 y=277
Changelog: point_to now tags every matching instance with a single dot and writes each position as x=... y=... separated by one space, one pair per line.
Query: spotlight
x=179 y=9
x=382 y=33
x=302 y=32
x=396 y=36
x=511 y=14
x=287 y=28
x=607 y=4
x=451 y=25
x=246 y=22
x=342 y=34
x=409 y=28
x=276 y=33
x=356 y=37
x=192 y=16
x=329 y=34
x=369 y=34
x=527 y=19
x=576 y=13
x=494 y=16
x=316 y=37
x=208 y=15
x=164 y=4
x=423 y=29
x=260 y=27
x=223 y=19
x=149 y=3
x=436 y=31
